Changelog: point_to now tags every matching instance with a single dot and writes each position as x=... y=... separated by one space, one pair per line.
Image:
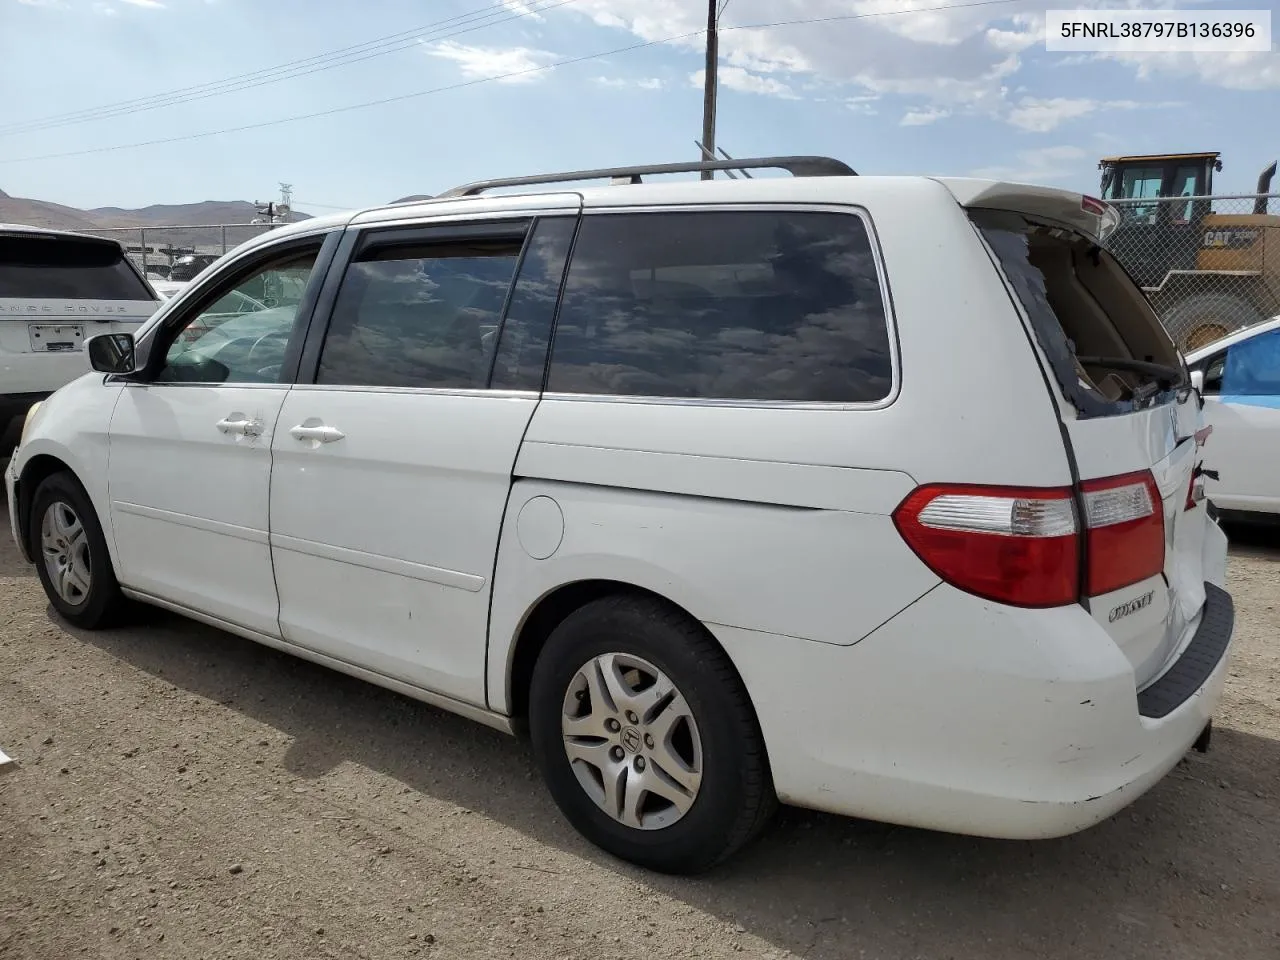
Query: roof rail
x=796 y=166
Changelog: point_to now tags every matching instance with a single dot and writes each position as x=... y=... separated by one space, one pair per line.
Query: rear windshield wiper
x=1162 y=373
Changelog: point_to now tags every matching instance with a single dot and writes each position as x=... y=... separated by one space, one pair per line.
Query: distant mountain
x=42 y=213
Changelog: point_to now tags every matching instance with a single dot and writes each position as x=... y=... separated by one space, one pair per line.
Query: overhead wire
x=332 y=111
x=491 y=16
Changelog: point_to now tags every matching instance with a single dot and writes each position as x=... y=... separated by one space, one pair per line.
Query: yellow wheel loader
x=1207 y=273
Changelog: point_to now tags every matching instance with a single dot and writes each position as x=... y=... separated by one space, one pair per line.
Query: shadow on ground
x=821 y=886
x=1190 y=870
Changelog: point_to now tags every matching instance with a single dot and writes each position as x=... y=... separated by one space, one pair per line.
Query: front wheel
x=71 y=554
x=646 y=736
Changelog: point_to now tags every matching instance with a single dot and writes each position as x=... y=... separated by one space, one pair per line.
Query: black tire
x=102 y=604
x=735 y=798
x=1200 y=319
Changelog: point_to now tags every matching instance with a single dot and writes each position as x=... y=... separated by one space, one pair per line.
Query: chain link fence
x=1210 y=265
x=180 y=252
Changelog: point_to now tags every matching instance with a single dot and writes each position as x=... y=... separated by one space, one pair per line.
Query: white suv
x=874 y=495
x=56 y=290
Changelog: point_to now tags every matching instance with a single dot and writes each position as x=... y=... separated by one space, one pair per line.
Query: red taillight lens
x=1010 y=544
x=1093 y=205
x=1124 y=531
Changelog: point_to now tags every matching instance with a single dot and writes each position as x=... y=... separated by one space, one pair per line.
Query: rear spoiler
x=1086 y=214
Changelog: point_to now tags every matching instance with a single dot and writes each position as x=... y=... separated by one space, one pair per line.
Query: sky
x=480 y=88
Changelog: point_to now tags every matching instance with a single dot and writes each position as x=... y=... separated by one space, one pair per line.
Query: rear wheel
x=1206 y=317
x=646 y=736
x=71 y=554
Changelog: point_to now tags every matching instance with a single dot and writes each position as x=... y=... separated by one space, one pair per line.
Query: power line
x=378 y=47
x=479 y=80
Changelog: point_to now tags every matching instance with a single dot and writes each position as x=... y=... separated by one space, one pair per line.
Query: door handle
x=241 y=426
x=316 y=433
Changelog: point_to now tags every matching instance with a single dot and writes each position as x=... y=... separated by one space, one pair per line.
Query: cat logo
x=1230 y=239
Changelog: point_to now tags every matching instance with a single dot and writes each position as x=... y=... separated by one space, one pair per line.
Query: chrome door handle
x=316 y=433
x=242 y=426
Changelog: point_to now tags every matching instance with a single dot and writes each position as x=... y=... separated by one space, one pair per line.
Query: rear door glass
x=67 y=268
x=422 y=314
x=736 y=305
x=1082 y=304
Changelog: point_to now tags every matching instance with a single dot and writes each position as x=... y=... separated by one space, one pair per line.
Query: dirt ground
x=181 y=793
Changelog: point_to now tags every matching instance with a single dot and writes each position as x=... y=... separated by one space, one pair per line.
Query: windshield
x=67 y=268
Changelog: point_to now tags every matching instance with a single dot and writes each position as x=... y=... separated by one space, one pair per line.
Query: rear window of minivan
x=67 y=268
x=735 y=305
x=1105 y=343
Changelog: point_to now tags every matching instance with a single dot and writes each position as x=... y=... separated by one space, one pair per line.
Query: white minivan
x=876 y=495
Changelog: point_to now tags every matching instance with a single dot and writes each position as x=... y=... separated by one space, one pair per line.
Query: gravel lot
x=180 y=792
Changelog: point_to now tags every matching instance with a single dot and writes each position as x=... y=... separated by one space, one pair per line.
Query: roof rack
x=796 y=166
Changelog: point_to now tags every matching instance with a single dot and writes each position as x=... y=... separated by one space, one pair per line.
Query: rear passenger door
x=394 y=453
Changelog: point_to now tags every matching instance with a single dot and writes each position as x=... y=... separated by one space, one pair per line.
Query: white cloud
x=920 y=118
x=522 y=8
x=962 y=58
x=1041 y=114
x=148 y=4
x=863 y=105
x=744 y=81
x=1233 y=71
x=646 y=83
x=1044 y=165
x=105 y=9
x=511 y=64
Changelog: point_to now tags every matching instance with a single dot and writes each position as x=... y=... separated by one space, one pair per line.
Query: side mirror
x=1197 y=381
x=111 y=353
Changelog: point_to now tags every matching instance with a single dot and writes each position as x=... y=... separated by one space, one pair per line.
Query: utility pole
x=709 y=86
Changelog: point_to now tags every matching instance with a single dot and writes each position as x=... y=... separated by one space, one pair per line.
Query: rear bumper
x=975 y=718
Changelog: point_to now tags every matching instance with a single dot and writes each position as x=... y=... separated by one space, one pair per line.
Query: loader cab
x=1163 y=234
x=1160 y=176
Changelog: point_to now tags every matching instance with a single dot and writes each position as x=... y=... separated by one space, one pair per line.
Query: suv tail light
x=1021 y=546
x=1010 y=544
x=1124 y=522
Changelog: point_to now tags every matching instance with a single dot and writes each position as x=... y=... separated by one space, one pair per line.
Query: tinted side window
x=723 y=304
x=419 y=316
x=526 y=331
x=1253 y=367
x=67 y=268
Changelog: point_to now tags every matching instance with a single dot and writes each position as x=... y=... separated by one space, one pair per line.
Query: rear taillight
x=1093 y=205
x=1014 y=545
x=1021 y=546
x=1124 y=530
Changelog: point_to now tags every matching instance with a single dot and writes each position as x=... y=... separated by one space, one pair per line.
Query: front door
x=393 y=467
x=1242 y=403
x=190 y=454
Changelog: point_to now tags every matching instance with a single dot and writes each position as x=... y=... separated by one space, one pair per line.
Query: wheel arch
x=34 y=472
x=550 y=610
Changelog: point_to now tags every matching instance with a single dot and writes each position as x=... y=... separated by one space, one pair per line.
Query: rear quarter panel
x=778 y=519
